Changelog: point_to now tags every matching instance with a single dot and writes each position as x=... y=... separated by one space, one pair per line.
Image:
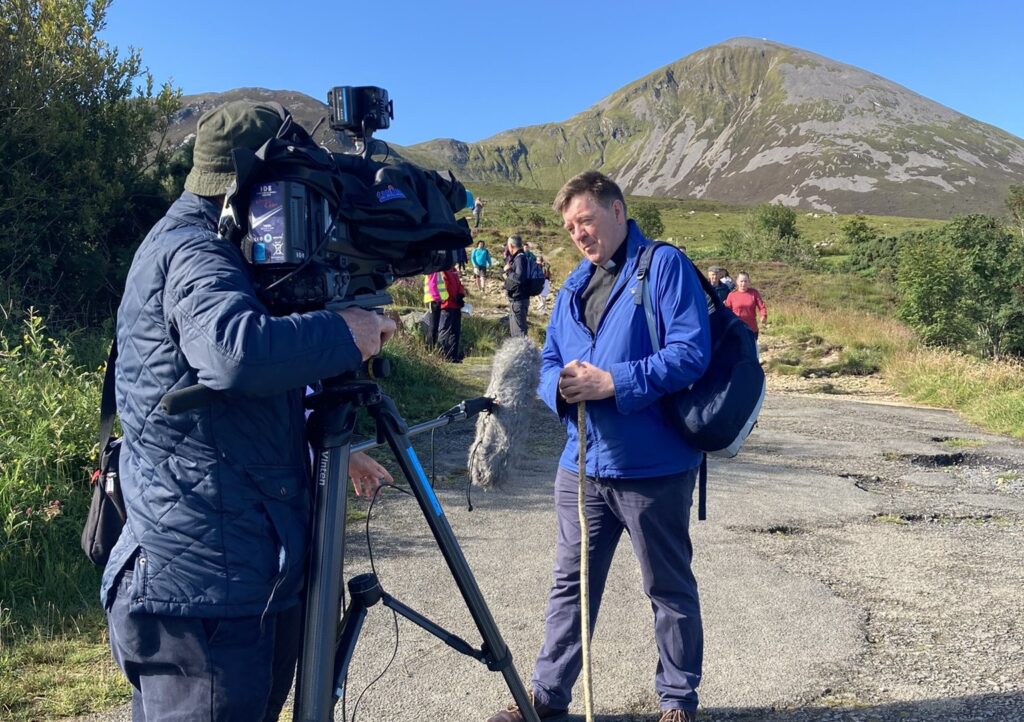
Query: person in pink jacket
x=746 y=302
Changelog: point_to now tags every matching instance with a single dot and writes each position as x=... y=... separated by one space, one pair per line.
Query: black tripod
x=326 y=651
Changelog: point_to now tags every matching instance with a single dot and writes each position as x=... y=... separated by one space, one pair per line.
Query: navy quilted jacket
x=218 y=497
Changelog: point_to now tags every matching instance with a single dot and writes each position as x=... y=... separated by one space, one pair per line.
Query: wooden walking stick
x=588 y=691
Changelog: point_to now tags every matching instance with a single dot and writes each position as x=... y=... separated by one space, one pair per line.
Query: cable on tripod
x=394 y=615
x=588 y=689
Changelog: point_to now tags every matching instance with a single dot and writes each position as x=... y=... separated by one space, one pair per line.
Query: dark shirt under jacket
x=599 y=288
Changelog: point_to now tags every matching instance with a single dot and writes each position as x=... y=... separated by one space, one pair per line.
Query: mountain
x=750 y=121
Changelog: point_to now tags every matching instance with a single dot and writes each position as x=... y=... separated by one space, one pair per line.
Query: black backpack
x=719 y=410
x=106 y=510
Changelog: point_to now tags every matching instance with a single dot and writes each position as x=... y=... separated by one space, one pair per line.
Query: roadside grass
x=989 y=393
x=55 y=674
x=959 y=443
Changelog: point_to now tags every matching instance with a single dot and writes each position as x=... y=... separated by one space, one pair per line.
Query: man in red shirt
x=747 y=303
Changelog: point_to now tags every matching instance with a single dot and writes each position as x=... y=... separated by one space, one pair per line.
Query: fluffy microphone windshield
x=514 y=378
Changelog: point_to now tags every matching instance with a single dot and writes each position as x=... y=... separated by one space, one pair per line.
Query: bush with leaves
x=48 y=412
x=962 y=285
x=79 y=183
x=770 y=234
x=773 y=219
x=648 y=218
x=872 y=254
x=1015 y=205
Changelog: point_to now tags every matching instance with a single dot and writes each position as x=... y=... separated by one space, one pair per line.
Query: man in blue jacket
x=640 y=473
x=202 y=589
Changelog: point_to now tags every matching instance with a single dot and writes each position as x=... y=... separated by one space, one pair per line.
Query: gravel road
x=861 y=561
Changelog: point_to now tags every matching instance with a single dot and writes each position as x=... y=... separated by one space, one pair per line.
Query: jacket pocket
x=282 y=489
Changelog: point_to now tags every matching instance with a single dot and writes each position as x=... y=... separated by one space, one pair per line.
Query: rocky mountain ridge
x=745 y=121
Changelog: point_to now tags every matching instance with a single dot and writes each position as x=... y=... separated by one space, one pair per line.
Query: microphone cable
x=394 y=614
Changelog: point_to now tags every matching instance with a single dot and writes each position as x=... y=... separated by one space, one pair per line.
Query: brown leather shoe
x=513 y=714
x=678 y=715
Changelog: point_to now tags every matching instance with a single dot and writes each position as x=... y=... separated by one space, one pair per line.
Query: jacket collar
x=195 y=210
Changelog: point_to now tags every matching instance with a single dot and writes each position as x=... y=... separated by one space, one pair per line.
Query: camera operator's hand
x=369 y=329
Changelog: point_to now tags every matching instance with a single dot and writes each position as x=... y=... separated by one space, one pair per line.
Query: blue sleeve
x=681 y=318
x=552 y=363
x=230 y=339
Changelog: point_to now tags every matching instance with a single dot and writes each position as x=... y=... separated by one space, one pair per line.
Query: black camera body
x=330 y=230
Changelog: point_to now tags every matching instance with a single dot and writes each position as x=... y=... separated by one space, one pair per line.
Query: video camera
x=331 y=230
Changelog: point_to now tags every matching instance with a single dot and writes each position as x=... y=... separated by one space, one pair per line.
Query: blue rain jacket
x=627 y=436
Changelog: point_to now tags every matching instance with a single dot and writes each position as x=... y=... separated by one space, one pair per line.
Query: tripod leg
x=393 y=428
x=315 y=678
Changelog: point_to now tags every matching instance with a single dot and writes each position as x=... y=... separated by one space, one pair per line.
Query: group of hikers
x=444 y=293
x=739 y=296
x=524 y=275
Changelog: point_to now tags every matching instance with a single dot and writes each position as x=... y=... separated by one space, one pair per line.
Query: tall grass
x=989 y=393
x=48 y=412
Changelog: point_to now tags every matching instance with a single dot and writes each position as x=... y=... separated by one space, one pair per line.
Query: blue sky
x=467 y=71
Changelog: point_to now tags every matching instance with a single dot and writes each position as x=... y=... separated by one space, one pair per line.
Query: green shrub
x=960 y=286
x=648 y=218
x=82 y=181
x=769 y=234
x=48 y=412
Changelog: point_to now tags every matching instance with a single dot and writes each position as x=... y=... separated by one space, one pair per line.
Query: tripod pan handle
x=190 y=397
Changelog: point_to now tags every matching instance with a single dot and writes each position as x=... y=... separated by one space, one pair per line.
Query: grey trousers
x=656 y=515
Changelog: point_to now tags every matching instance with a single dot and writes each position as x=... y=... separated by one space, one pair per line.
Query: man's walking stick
x=588 y=691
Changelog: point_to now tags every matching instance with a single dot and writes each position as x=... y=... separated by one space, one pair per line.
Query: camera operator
x=202 y=590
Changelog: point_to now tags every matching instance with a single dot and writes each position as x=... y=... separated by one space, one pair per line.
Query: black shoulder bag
x=106 y=511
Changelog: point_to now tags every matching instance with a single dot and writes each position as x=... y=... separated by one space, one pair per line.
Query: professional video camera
x=329 y=230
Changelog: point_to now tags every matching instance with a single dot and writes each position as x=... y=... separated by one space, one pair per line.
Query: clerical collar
x=613 y=264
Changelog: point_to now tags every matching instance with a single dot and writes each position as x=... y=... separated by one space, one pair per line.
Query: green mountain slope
x=752 y=121
x=746 y=121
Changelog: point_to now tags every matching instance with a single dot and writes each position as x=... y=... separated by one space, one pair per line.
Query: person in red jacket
x=449 y=330
x=747 y=303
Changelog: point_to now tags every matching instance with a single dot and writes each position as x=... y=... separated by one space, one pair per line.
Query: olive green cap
x=238 y=124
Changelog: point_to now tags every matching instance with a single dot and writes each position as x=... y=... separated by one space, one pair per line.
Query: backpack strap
x=644 y=297
x=108 y=407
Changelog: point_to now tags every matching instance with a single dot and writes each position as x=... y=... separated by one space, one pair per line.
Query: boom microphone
x=514 y=378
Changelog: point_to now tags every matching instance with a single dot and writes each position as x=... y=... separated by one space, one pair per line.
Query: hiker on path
x=434 y=294
x=516 y=273
x=545 y=293
x=715 y=275
x=747 y=303
x=449 y=330
x=640 y=473
x=481 y=260
x=478 y=209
